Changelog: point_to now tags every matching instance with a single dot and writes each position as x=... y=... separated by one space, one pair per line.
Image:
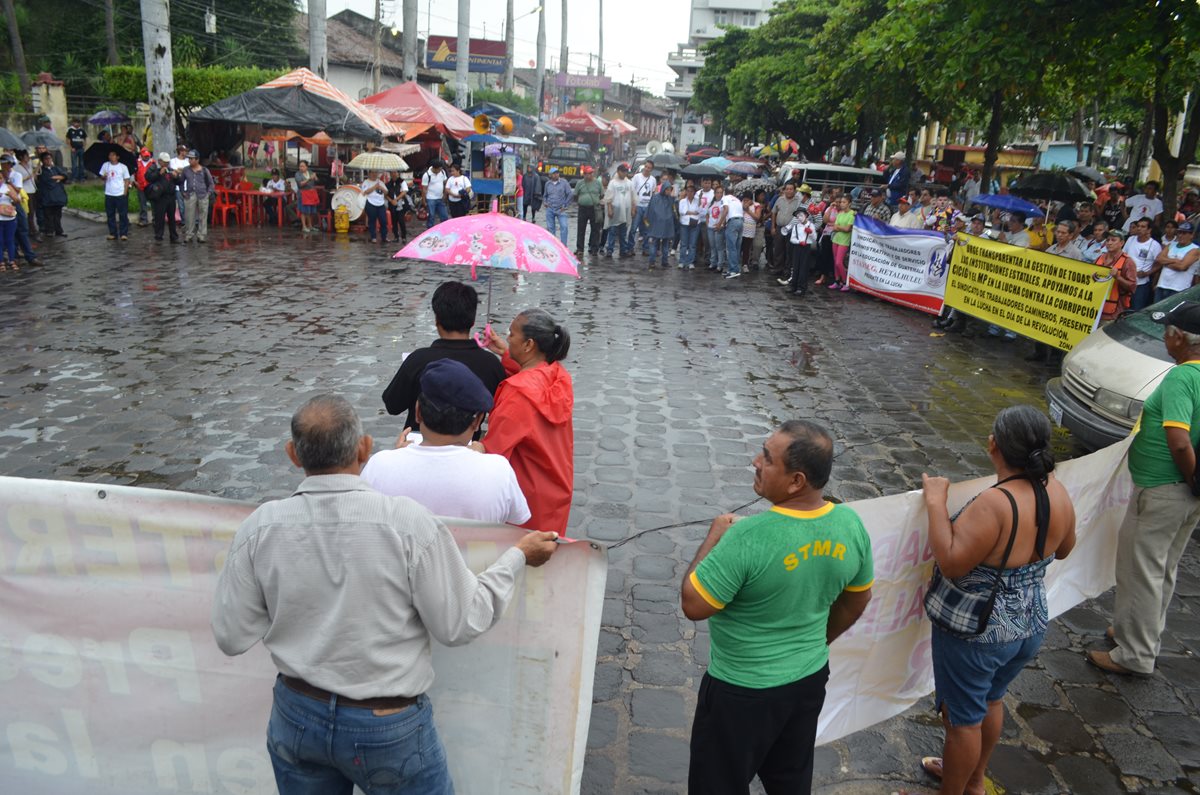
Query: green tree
x=507 y=99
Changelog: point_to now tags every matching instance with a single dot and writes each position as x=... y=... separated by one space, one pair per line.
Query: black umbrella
x=1087 y=172
x=1053 y=185
x=44 y=138
x=700 y=171
x=667 y=160
x=97 y=155
x=9 y=139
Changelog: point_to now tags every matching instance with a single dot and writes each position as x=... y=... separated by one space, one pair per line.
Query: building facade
x=705 y=23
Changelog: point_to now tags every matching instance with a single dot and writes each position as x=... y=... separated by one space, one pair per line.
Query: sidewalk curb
x=86 y=215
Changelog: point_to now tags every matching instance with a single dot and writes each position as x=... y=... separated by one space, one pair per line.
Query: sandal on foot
x=932 y=765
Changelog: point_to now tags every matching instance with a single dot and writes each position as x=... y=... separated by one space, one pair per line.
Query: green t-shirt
x=1174 y=404
x=843 y=219
x=773 y=577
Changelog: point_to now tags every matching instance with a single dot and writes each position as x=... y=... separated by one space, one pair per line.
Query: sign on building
x=581 y=81
x=485 y=56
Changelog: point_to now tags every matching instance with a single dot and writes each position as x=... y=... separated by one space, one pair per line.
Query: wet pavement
x=179 y=366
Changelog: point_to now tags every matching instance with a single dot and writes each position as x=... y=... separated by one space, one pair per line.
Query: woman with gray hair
x=531 y=423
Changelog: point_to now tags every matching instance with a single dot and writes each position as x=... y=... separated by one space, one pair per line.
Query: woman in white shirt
x=9 y=198
x=689 y=226
x=458 y=192
x=375 y=192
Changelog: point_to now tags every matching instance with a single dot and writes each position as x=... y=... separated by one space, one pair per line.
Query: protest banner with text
x=904 y=266
x=1042 y=296
x=112 y=682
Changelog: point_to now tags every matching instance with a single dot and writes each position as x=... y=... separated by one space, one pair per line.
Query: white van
x=819 y=176
x=1106 y=378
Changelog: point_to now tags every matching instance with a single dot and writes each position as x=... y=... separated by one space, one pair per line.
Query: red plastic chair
x=224 y=207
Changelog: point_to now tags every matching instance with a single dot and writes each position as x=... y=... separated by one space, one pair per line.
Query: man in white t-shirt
x=1144 y=251
x=434 y=183
x=458 y=192
x=733 y=216
x=1146 y=204
x=713 y=213
x=1180 y=262
x=178 y=163
x=116 y=196
x=644 y=185
x=442 y=472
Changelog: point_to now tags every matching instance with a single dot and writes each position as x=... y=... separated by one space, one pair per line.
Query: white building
x=703 y=26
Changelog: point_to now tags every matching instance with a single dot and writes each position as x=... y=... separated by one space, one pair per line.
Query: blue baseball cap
x=554 y=170
x=451 y=383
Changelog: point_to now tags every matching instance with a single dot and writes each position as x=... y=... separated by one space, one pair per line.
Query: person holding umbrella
x=531 y=422
x=116 y=195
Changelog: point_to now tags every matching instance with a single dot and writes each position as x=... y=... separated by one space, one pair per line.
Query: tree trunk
x=1094 y=153
x=377 y=49
x=318 y=58
x=18 y=53
x=1173 y=164
x=160 y=75
x=409 y=41
x=1079 y=135
x=992 y=153
x=110 y=34
x=1143 y=144
x=462 y=62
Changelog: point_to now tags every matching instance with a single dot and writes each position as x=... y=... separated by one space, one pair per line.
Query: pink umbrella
x=492 y=240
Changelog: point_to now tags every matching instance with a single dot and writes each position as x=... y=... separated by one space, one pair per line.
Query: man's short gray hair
x=325 y=433
x=1193 y=340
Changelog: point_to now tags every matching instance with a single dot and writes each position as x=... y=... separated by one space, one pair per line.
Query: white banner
x=112 y=683
x=882 y=666
x=904 y=266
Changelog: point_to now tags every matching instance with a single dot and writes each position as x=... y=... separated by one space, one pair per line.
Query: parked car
x=822 y=175
x=1106 y=377
x=569 y=159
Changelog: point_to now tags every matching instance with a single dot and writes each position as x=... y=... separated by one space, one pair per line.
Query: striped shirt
x=345 y=587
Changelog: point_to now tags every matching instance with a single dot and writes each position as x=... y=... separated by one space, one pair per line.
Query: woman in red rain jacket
x=530 y=424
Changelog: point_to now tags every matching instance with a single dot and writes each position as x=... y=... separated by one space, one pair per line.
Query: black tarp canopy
x=303 y=102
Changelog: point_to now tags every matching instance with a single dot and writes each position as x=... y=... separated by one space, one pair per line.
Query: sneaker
x=733 y=275
x=110 y=237
x=834 y=286
x=845 y=288
x=691 y=267
x=783 y=282
x=372 y=240
x=124 y=237
x=60 y=234
x=159 y=239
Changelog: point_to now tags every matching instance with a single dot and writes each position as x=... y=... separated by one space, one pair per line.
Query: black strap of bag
x=1012 y=537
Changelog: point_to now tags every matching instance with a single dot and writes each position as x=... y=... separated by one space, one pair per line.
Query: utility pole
x=463 y=56
x=377 y=55
x=110 y=34
x=318 y=58
x=160 y=75
x=409 y=40
x=18 y=52
x=509 y=37
x=562 y=57
x=600 y=55
x=541 y=57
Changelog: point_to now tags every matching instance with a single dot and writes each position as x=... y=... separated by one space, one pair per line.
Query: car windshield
x=1138 y=330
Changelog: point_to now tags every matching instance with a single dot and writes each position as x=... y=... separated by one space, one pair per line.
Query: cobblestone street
x=178 y=367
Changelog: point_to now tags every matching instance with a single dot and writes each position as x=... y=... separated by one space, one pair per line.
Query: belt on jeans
x=314 y=692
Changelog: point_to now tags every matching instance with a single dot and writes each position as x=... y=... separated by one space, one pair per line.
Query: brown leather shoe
x=1104 y=661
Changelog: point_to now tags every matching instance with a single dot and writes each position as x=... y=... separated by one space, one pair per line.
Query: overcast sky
x=638 y=34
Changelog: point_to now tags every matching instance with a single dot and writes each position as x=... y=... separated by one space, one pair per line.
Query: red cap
x=145 y=152
x=587 y=169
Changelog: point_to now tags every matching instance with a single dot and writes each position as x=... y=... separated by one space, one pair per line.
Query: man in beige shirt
x=345 y=587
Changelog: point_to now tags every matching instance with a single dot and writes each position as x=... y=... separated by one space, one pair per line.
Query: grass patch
x=90 y=196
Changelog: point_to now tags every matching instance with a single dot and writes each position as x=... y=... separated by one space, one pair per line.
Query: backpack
x=155 y=185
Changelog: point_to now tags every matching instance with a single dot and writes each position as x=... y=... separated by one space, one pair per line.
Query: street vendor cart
x=493 y=174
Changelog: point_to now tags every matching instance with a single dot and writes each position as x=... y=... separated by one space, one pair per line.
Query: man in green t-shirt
x=1163 y=512
x=779 y=587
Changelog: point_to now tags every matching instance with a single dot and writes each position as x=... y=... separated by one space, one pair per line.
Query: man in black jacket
x=531 y=184
x=454 y=306
x=160 y=190
x=52 y=195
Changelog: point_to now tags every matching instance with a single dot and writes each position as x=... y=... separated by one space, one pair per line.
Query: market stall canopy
x=544 y=128
x=318 y=139
x=580 y=120
x=522 y=125
x=506 y=140
x=622 y=127
x=408 y=104
x=303 y=102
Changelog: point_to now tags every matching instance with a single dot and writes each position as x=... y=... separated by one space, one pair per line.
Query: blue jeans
x=8 y=240
x=616 y=234
x=556 y=222
x=716 y=248
x=437 y=212
x=660 y=242
x=687 y=244
x=376 y=220
x=320 y=748
x=733 y=244
x=76 y=164
x=117 y=210
x=1143 y=296
x=639 y=218
x=23 y=242
x=969 y=675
